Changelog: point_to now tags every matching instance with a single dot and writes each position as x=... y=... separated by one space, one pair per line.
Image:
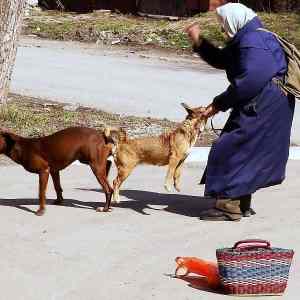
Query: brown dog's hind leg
x=100 y=173
x=108 y=167
x=57 y=186
x=43 y=181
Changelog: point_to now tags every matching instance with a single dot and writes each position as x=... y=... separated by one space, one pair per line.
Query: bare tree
x=11 y=13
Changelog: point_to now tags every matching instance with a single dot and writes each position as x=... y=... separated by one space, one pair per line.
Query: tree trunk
x=11 y=13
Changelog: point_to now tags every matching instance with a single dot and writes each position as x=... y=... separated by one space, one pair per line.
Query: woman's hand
x=194 y=33
x=210 y=111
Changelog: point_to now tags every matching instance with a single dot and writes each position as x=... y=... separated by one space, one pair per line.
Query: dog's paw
x=40 y=212
x=167 y=187
x=103 y=209
x=177 y=188
x=58 y=201
x=116 y=199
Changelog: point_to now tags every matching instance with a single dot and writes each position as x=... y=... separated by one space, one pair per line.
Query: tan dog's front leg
x=177 y=174
x=43 y=181
x=116 y=194
x=170 y=173
x=123 y=173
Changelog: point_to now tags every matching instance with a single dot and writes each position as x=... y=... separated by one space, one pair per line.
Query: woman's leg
x=245 y=205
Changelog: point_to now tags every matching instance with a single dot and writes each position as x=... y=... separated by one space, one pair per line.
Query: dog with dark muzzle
x=170 y=149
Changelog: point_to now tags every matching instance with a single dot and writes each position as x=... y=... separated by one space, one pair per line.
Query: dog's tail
x=115 y=135
x=5 y=130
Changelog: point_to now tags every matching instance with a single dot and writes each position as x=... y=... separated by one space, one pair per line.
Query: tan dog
x=167 y=149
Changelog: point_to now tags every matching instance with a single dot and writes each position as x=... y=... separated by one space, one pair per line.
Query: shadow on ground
x=186 y=205
x=22 y=203
x=138 y=201
x=198 y=282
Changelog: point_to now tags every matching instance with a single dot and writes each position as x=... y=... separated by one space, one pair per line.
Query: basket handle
x=252 y=243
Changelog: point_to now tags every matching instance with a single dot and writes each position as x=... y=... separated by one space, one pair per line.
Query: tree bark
x=11 y=14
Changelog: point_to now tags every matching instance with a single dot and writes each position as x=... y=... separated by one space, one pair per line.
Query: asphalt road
x=74 y=253
x=143 y=84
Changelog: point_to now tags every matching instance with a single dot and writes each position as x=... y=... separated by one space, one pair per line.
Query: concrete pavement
x=75 y=253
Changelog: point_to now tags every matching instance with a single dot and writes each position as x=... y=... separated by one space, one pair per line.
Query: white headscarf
x=234 y=16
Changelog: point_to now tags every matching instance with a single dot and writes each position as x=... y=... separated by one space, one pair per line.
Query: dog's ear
x=2 y=142
x=115 y=134
x=5 y=130
x=6 y=141
x=195 y=112
x=107 y=133
x=187 y=108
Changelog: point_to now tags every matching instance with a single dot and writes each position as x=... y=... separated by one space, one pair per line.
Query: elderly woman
x=253 y=149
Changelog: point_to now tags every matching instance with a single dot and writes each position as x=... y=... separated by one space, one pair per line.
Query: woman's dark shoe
x=226 y=210
x=248 y=213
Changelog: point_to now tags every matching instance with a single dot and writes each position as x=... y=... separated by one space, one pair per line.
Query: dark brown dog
x=53 y=153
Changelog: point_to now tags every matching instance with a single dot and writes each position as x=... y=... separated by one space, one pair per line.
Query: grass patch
x=108 y=27
x=58 y=31
x=285 y=24
x=34 y=117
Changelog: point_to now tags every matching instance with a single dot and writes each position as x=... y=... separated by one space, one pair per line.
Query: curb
x=200 y=154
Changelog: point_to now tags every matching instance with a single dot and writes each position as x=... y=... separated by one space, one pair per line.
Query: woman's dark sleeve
x=256 y=68
x=213 y=55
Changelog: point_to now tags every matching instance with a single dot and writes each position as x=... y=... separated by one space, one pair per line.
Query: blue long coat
x=253 y=149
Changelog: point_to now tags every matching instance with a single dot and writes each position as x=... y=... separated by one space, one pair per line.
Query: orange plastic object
x=207 y=269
